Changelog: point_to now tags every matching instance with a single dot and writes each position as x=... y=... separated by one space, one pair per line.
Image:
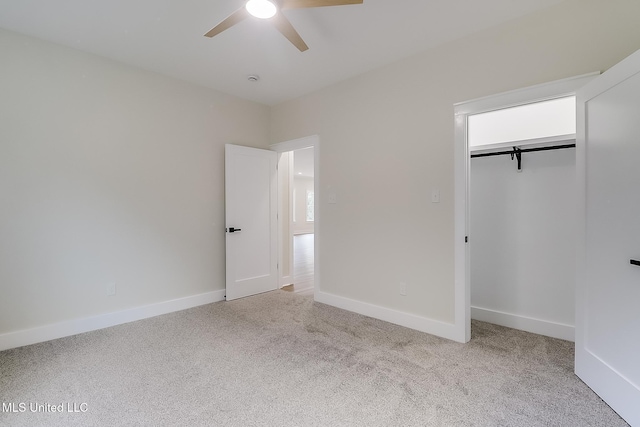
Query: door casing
x=463 y=239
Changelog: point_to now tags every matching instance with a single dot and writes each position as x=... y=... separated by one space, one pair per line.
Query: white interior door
x=608 y=288
x=251 y=221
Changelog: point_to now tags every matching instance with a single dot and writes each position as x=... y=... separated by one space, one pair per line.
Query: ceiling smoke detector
x=253 y=78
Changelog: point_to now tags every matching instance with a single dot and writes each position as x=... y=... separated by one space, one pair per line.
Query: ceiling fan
x=271 y=9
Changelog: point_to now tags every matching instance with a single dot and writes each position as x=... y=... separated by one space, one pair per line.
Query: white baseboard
x=523 y=323
x=87 y=324
x=412 y=321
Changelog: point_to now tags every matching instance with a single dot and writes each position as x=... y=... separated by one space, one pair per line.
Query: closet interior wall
x=522 y=241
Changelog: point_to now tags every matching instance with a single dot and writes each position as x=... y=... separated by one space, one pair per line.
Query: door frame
x=312 y=141
x=462 y=169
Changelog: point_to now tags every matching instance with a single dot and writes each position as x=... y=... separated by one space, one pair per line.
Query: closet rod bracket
x=518 y=155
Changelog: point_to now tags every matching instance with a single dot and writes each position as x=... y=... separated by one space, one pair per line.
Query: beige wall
x=387 y=141
x=108 y=174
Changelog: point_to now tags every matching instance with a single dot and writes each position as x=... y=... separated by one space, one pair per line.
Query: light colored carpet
x=279 y=359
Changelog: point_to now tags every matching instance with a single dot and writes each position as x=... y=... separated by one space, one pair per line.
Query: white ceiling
x=166 y=36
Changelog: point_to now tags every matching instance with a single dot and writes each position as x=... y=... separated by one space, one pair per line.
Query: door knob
x=233 y=230
x=634 y=262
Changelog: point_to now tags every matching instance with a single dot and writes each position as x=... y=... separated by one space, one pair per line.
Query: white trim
x=610 y=385
x=291 y=209
x=524 y=323
x=422 y=324
x=542 y=92
x=298 y=144
x=462 y=283
x=526 y=95
x=101 y=321
x=581 y=227
x=285 y=157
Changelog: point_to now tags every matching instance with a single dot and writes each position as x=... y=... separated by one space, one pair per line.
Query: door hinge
x=466 y=239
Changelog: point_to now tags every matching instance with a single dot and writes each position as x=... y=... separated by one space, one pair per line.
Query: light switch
x=435 y=196
x=332 y=198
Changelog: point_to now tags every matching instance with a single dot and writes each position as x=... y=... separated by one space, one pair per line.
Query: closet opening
x=519 y=207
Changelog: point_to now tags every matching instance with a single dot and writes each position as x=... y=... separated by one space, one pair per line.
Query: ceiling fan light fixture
x=262 y=9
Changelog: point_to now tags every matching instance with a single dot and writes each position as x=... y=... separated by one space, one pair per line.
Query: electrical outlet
x=403 y=288
x=111 y=289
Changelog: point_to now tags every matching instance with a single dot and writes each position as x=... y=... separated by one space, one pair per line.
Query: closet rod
x=524 y=150
x=517 y=152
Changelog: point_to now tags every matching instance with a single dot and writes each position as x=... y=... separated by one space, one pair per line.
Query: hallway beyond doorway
x=303 y=267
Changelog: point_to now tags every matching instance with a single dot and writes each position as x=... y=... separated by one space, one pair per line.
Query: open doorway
x=303 y=230
x=514 y=219
x=522 y=201
x=298 y=214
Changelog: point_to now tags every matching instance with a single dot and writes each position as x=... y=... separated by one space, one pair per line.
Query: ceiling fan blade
x=284 y=26
x=231 y=20
x=299 y=4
